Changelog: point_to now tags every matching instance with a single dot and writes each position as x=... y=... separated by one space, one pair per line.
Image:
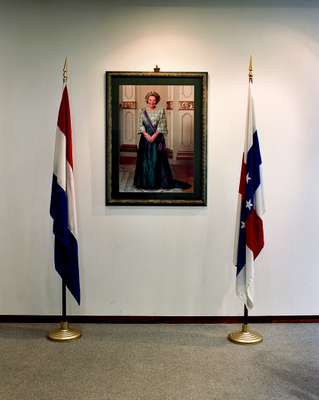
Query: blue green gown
x=152 y=170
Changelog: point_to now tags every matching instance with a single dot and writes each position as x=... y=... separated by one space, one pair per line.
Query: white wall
x=146 y=260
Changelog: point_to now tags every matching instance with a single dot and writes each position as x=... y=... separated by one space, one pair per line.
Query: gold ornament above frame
x=156 y=138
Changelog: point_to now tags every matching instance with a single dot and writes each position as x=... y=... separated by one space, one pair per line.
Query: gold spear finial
x=250 y=75
x=65 y=71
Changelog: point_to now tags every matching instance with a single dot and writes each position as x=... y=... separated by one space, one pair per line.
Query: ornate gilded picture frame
x=156 y=138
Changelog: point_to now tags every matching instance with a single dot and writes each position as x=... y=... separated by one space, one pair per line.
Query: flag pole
x=64 y=332
x=246 y=335
x=64 y=318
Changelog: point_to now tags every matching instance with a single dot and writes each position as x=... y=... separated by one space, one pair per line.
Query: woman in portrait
x=152 y=167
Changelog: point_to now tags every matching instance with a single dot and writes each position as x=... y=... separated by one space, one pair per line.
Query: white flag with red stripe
x=249 y=236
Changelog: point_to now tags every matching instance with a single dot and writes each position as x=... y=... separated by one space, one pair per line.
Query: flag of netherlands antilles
x=62 y=208
x=249 y=236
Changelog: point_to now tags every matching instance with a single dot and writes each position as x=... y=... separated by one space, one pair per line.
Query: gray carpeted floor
x=159 y=362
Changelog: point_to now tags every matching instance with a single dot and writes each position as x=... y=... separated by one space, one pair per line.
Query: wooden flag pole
x=245 y=315
x=64 y=332
x=246 y=336
x=64 y=318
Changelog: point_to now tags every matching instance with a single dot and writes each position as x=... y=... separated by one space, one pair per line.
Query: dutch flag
x=249 y=235
x=62 y=208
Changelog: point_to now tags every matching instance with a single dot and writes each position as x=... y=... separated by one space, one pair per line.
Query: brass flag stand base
x=245 y=336
x=64 y=333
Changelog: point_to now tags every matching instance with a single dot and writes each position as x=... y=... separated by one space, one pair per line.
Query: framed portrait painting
x=156 y=138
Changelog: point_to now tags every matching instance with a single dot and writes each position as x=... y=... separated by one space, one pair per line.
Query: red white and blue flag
x=62 y=208
x=249 y=236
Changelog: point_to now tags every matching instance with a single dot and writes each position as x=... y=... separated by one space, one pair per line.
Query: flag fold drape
x=249 y=235
x=62 y=207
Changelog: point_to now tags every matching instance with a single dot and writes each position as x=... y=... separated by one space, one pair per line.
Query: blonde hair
x=155 y=94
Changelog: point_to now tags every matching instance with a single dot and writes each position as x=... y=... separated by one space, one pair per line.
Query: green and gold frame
x=172 y=170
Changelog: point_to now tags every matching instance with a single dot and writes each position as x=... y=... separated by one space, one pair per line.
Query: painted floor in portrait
x=179 y=172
